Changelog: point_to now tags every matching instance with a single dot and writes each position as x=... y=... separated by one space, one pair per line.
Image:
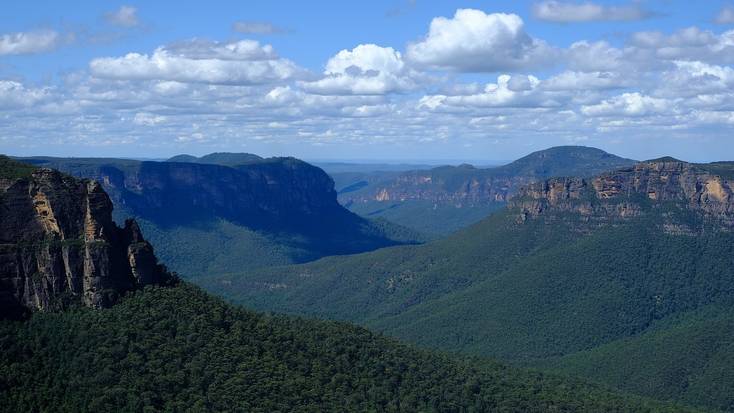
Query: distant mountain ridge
x=465 y=184
x=458 y=191
x=219 y=158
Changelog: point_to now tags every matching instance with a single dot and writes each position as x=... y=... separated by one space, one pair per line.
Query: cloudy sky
x=392 y=79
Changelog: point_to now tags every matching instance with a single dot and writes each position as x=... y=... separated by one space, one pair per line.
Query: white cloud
x=201 y=92
x=570 y=80
x=295 y=102
x=629 y=104
x=517 y=91
x=725 y=16
x=595 y=56
x=28 y=42
x=473 y=41
x=243 y=62
x=707 y=83
x=367 y=69
x=148 y=119
x=125 y=16
x=573 y=12
x=690 y=43
x=14 y=95
x=253 y=27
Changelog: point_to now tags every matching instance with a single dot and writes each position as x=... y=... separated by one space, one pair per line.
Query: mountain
x=210 y=218
x=59 y=245
x=573 y=275
x=121 y=343
x=444 y=199
x=179 y=349
x=219 y=158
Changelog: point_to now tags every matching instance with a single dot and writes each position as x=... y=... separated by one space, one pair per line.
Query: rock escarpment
x=59 y=245
x=275 y=192
x=706 y=189
x=467 y=186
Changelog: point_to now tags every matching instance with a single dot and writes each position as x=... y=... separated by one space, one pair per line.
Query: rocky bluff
x=59 y=244
x=706 y=189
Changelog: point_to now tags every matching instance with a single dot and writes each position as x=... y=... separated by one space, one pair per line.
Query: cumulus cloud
x=243 y=62
x=570 y=80
x=725 y=16
x=367 y=69
x=629 y=104
x=148 y=119
x=595 y=56
x=254 y=27
x=574 y=12
x=296 y=102
x=14 y=95
x=236 y=92
x=690 y=43
x=28 y=42
x=473 y=41
x=519 y=91
x=705 y=82
x=125 y=16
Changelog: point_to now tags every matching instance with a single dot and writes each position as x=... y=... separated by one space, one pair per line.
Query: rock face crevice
x=627 y=192
x=59 y=245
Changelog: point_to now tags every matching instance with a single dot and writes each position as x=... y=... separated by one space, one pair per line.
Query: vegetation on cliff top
x=11 y=169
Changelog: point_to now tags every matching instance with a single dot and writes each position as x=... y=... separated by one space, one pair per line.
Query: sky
x=381 y=80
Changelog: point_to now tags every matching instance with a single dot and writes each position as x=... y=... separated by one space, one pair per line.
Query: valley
x=393 y=206
x=570 y=276
x=572 y=271
x=91 y=322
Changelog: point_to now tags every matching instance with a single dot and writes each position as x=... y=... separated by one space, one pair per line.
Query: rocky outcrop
x=59 y=245
x=628 y=192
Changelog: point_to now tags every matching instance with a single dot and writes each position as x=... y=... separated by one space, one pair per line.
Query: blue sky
x=471 y=80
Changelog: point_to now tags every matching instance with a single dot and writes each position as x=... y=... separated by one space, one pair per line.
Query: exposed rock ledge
x=623 y=193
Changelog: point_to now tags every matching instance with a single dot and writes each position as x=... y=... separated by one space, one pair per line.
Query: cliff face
x=459 y=186
x=288 y=201
x=630 y=191
x=271 y=192
x=58 y=244
x=466 y=185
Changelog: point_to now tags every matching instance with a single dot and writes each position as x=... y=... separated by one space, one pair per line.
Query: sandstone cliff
x=468 y=186
x=59 y=245
x=628 y=192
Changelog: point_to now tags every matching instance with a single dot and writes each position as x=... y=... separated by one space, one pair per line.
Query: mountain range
x=626 y=277
x=131 y=337
x=621 y=277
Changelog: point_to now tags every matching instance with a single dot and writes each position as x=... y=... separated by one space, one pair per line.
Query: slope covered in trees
x=575 y=265
x=179 y=349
